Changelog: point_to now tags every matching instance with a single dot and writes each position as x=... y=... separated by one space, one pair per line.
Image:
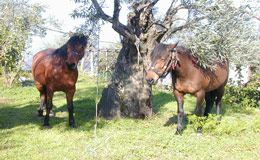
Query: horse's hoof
x=178 y=132
x=199 y=130
x=51 y=114
x=40 y=113
x=74 y=126
x=46 y=127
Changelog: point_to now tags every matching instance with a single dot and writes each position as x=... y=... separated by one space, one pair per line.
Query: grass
x=23 y=137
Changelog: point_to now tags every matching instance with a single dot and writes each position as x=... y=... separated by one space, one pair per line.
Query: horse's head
x=162 y=59
x=75 y=49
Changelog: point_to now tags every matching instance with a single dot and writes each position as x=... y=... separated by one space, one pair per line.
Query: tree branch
x=146 y=17
x=100 y=12
x=116 y=25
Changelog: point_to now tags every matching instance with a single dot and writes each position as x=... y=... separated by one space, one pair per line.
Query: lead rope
x=137 y=44
x=96 y=114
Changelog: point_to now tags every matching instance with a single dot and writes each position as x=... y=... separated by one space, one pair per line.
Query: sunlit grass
x=23 y=137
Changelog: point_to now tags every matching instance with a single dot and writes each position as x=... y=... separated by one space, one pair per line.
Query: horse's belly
x=64 y=86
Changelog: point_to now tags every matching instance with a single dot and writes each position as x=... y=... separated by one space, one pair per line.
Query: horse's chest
x=61 y=78
x=185 y=87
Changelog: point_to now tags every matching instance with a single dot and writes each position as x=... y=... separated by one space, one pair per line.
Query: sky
x=61 y=10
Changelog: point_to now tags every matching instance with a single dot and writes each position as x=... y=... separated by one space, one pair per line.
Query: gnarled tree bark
x=128 y=94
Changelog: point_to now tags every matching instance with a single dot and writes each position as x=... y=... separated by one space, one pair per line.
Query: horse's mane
x=73 y=41
x=160 y=50
x=61 y=52
x=184 y=50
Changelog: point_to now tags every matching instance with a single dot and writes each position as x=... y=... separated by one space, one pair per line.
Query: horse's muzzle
x=71 y=66
x=150 y=81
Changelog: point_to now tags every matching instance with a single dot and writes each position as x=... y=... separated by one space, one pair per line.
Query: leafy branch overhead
x=213 y=30
x=226 y=32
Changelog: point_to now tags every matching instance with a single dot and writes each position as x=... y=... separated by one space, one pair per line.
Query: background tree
x=19 y=19
x=128 y=93
x=107 y=58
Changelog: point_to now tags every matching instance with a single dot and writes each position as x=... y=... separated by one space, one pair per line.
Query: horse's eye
x=162 y=59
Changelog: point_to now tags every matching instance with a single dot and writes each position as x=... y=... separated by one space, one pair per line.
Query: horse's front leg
x=69 y=96
x=179 y=98
x=48 y=107
x=198 y=111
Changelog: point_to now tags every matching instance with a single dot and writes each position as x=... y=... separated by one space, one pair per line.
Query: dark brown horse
x=56 y=70
x=188 y=77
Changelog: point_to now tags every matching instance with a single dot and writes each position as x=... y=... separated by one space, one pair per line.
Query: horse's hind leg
x=69 y=96
x=48 y=107
x=209 y=98
x=42 y=90
x=220 y=93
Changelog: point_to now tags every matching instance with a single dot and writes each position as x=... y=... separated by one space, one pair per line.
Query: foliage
x=247 y=95
x=208 y=124
x=19 y=19
x=224 y=32
x=92 y=24
x=236 y=136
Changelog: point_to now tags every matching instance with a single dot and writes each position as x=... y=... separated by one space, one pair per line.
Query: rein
x=171 y=63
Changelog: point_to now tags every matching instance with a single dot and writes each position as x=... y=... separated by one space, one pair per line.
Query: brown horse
x=188 y=77
x=56 y=70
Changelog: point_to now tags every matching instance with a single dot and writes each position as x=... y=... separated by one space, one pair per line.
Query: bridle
x=171 y=63
x=77 y=53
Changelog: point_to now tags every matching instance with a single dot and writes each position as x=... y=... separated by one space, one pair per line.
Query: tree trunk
x=128 y=94
x=8 y=78
x=5 y=76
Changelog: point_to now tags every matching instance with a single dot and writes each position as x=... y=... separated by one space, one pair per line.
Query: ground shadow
x=174 y=120
x=160 y=99
x=18 y=114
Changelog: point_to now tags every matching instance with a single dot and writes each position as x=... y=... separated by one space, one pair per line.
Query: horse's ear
x=71 y=34
x=155 y=43
x=172 y=46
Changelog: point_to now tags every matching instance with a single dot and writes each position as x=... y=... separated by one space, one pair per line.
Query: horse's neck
x=184 y=65
x=59 y=60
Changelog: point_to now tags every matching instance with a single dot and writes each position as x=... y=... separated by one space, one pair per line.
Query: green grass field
x=22 y=136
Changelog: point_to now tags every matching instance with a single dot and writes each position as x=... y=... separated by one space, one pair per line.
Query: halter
x=172 y=62
x=77 y=53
